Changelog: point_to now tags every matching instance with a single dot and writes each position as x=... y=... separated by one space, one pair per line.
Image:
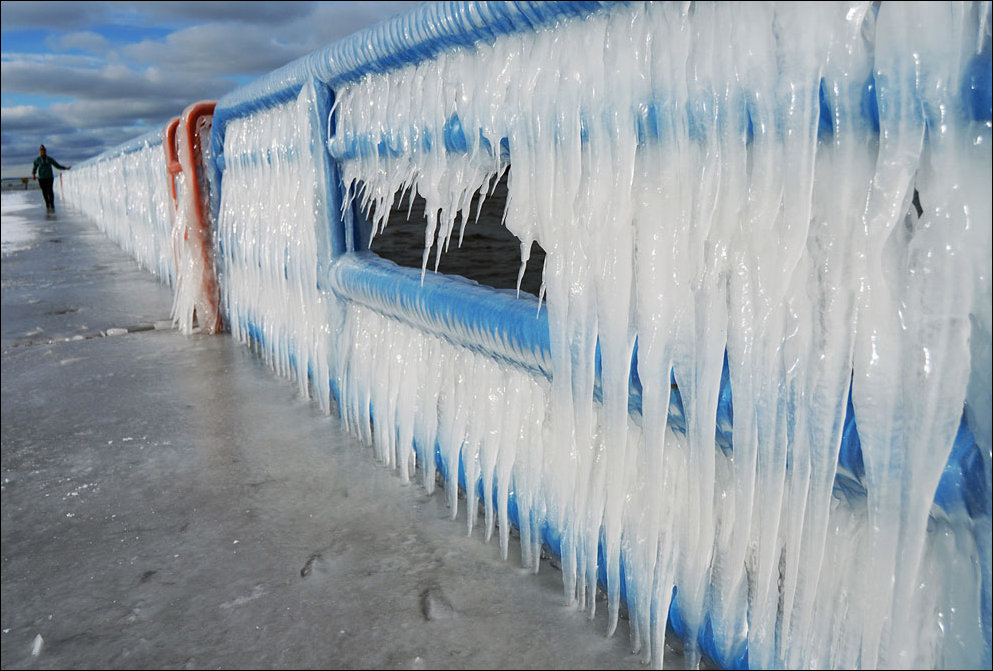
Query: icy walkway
x=168 y=502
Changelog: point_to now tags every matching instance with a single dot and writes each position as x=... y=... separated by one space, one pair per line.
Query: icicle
x=705 y=183
x=269 y=228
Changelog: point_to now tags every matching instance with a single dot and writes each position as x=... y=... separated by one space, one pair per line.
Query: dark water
x=490 y=254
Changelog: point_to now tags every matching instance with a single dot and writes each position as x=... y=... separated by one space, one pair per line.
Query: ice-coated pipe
x=497 y=324
x=488 y=321
x=409 y=38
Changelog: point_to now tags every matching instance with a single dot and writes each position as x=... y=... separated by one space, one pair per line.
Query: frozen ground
x=168 y=502
x=15 y=230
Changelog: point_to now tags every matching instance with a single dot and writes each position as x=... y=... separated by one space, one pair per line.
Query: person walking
x=43 y=168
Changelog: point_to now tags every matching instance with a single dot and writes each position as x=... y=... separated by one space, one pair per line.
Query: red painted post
x=194 y=244
x=172 y=162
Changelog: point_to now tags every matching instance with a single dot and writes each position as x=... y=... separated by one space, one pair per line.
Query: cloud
x=332 y=22
x=78 y=15
x=84 y=40
x=121 y=112
x=217 y=49
x=25 y=127
x=49 y=16
x=65 y=78
x=28 y=119
x=65 y=60
x=262 y=13
x=244 y=48
x=111 y=105
x=106 y=88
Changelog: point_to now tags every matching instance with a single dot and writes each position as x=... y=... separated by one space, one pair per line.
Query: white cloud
x=120 y=112
x=62 y=79
x=50 y=16
x=262 y=13
x=331 y=23
x=84 y=40
x=108 y=105
x=217 y=49
x=30 y=118
x=106 y=92
x=243 y=47
x=65 y=60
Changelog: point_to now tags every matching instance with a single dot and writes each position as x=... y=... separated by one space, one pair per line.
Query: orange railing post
x=196 y=281
x=173 y=167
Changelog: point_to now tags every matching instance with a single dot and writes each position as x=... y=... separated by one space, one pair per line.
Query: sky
x=82 y=77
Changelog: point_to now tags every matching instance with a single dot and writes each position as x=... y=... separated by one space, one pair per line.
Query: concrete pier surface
x=169 y=502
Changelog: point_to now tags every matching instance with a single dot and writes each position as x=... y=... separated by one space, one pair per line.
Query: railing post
x=197 y=294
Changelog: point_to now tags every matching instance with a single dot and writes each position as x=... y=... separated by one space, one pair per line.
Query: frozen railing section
x=273 y=233
x=278 y=196
x=125 y=192
x=152 y=197
x=783 y=204
x=449 y=376
x=753 y=400
x=196 y=298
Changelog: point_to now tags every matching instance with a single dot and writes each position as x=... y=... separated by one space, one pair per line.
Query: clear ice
x=787 y=203
x=673 y=162
x=128 y=196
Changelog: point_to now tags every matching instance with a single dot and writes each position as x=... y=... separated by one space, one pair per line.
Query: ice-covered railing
x=273 y=230
x=151 y=196
x=277 y=195
x=197 y=295
x=712 y=180
x=125 y=191
x=786 y=206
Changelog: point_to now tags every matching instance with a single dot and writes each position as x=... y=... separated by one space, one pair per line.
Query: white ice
x=271 y=233
x=731 y=226
x=667 y=157
x=15 y=232
x=127 y=194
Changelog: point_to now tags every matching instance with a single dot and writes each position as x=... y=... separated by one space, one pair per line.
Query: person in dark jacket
x=43 y=168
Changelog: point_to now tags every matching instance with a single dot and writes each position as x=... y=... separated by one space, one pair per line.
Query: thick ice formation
x=127 y=195
x=708 y=179
x=196 y=295
x=268 y=241
x=151 y=214
x=789 y=199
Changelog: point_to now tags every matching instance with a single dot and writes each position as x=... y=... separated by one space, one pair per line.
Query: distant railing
x=125 y=192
